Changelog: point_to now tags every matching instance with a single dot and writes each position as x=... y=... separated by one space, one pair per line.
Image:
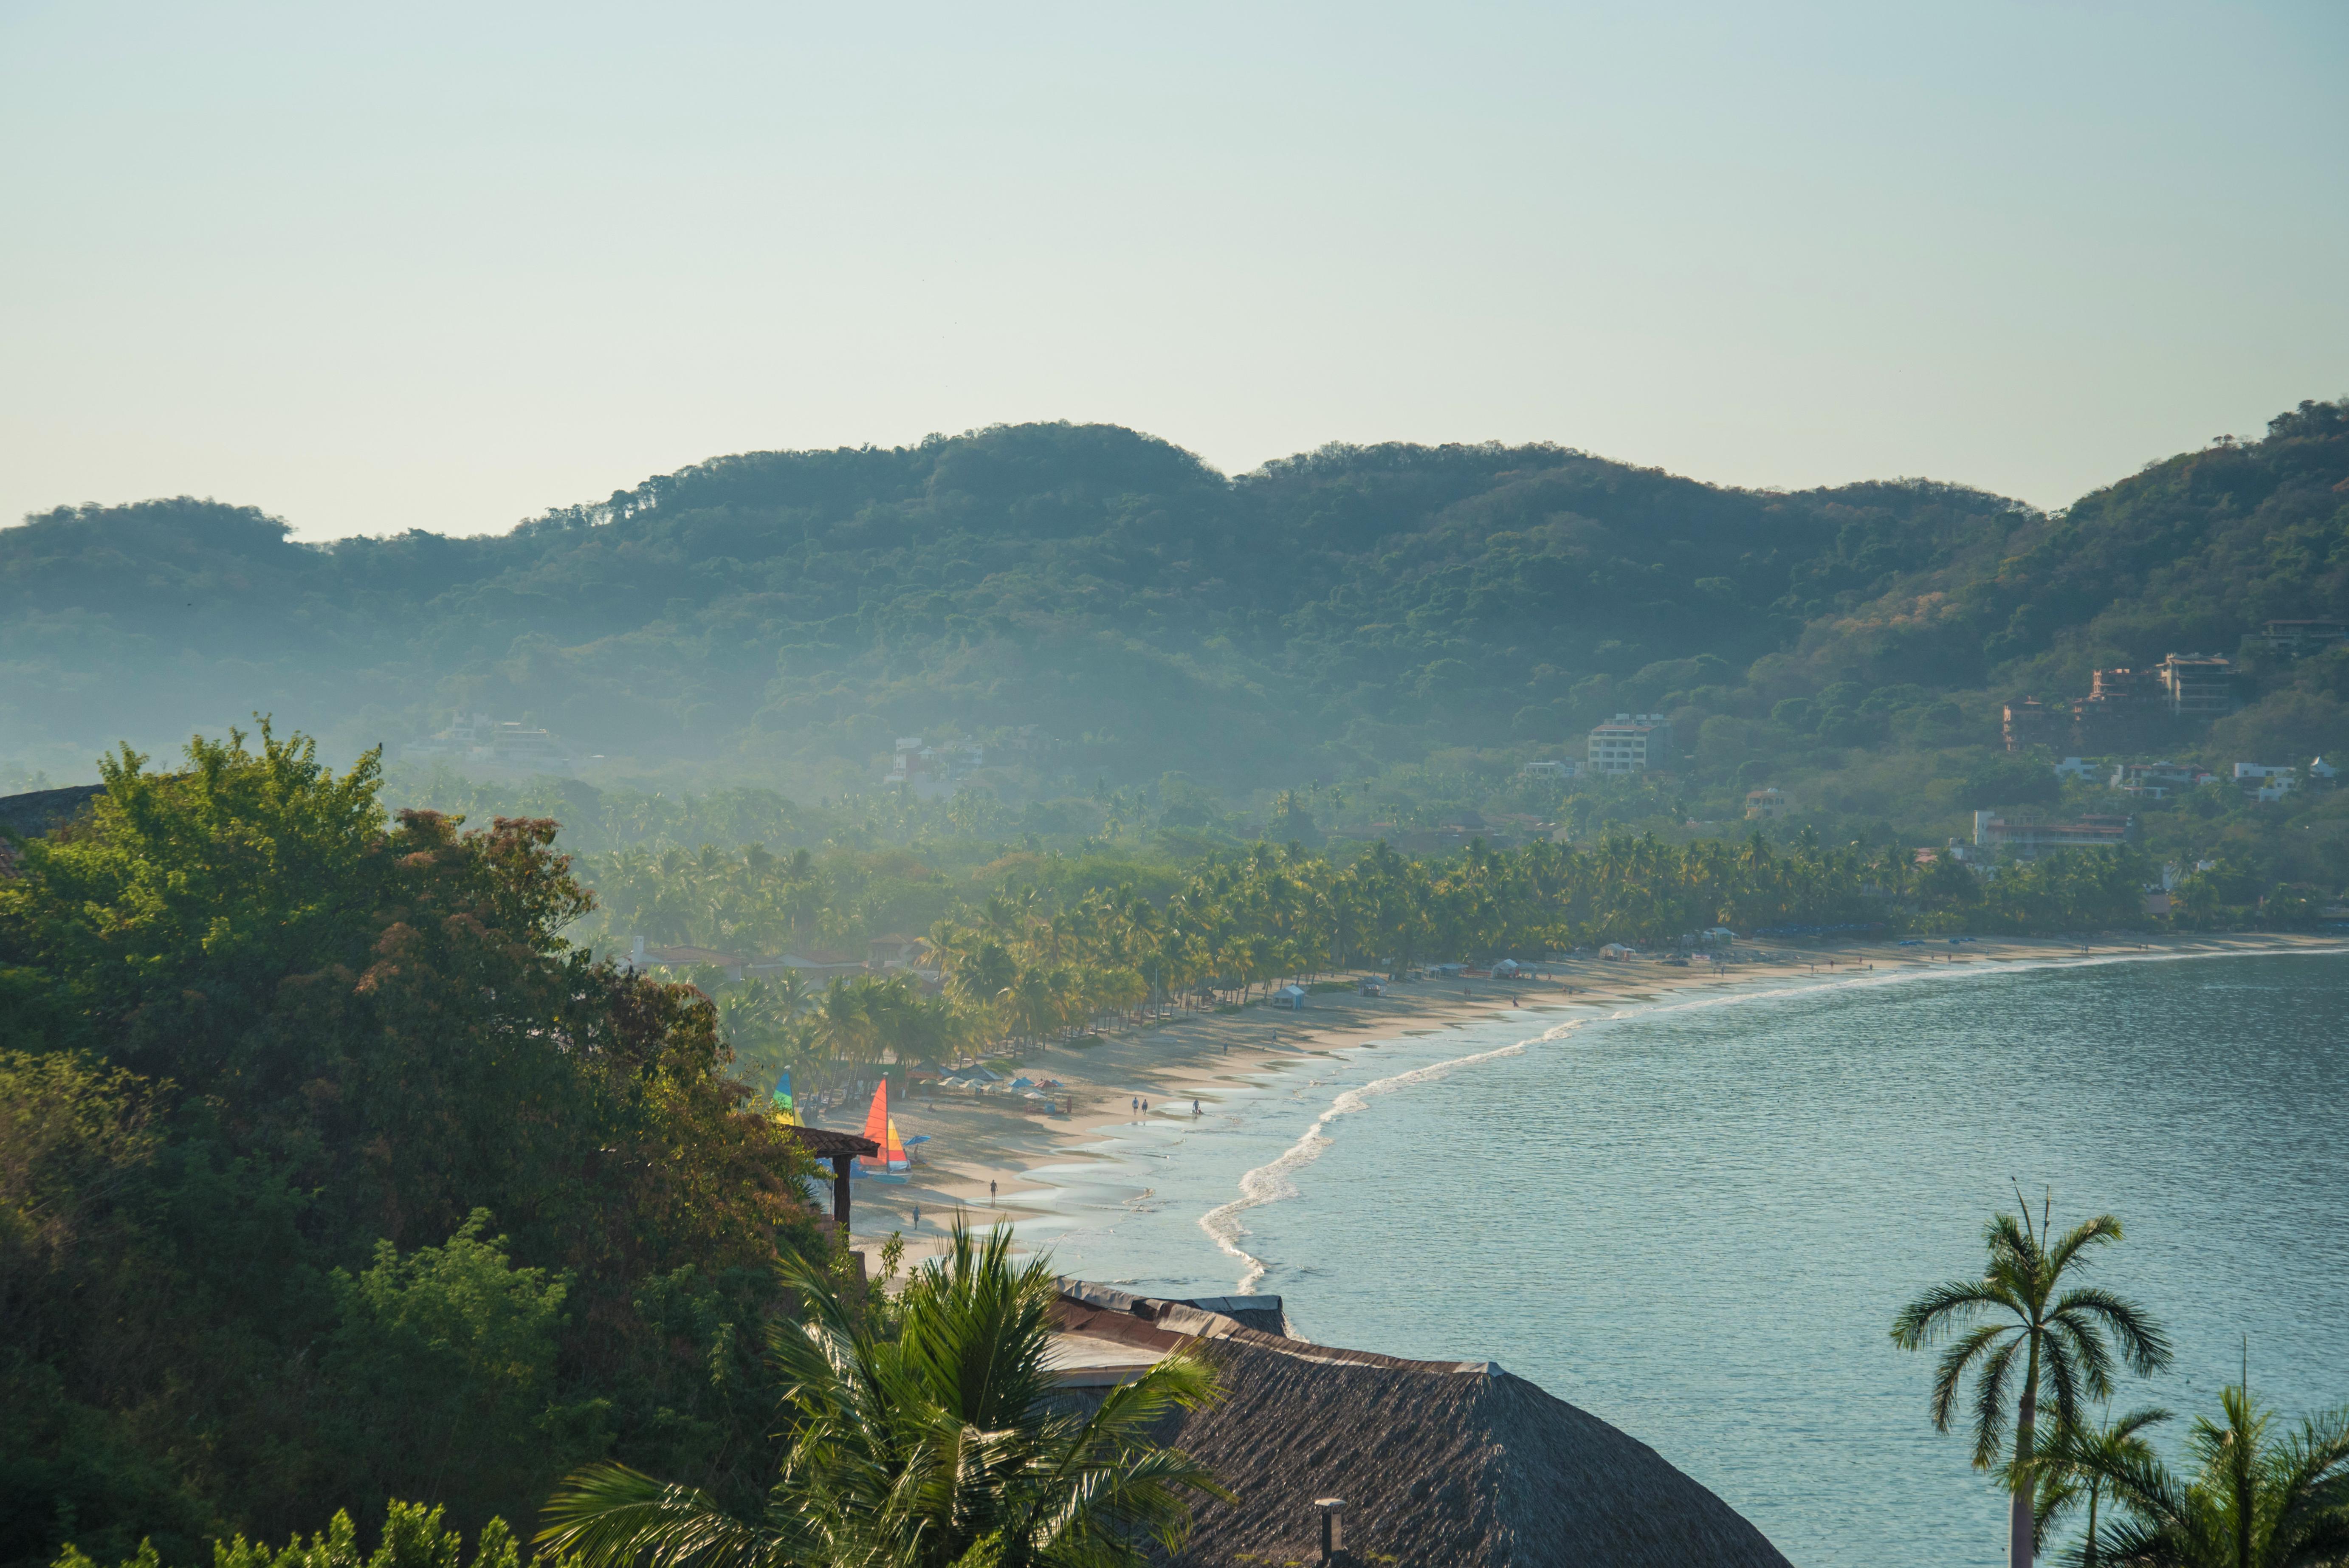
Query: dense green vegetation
x=329 y=1173
x=1034 y=946
x=1406 y=623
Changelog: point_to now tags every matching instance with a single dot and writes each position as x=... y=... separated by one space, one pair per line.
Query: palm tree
x=2251 y=1501
x=943 y=1441
x=2060 y=1339
x=2074 y=1466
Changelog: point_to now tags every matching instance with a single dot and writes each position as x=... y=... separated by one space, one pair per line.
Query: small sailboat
x=786 y=1109
x=882 y=1129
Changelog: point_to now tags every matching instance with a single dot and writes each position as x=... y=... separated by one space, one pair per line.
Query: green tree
x=445 y=1360
x=928 y=1436
x=2249 y=1500
x=2063 y=1338
x=260 y=1032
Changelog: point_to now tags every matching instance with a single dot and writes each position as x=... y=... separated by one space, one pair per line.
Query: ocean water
x=1697 y=1221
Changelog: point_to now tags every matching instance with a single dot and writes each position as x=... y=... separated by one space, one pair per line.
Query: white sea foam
x=1271 y=1183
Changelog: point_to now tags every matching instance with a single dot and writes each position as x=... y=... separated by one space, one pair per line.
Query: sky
x=446 y=266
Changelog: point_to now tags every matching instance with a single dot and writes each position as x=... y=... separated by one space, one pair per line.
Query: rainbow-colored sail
x=882 y=1129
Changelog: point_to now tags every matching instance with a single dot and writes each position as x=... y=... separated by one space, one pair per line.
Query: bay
x=1697 y=1221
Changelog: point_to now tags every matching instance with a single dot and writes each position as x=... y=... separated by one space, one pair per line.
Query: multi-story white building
x=1631 y=743
x=2261 y=782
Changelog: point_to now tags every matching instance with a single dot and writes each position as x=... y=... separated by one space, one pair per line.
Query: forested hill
x=1333 y=611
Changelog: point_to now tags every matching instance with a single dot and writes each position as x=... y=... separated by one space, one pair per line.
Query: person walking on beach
x=1145 y=1107
x=1195 y=1108
x=917 y=1216
x=990 y=1191
x=1134 y=1105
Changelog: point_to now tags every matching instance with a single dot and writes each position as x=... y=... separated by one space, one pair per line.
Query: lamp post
x=1333 y=1528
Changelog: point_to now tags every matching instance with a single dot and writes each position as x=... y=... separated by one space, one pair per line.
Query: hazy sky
x=376 y=267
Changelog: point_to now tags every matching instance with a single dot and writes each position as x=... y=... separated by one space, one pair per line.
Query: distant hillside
x=1352 y=604
x=2190 y=553
x=788 y=613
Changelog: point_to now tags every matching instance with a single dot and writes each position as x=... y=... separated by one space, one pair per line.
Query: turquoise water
x=1698 y=1222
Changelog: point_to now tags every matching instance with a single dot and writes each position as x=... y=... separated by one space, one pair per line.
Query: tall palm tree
x=2061 y=1341
x=2251 y=1502
x=925 y=1434
x=2074 y=1469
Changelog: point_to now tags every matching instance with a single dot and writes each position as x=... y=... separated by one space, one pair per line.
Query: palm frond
x=1989 y=1401
x=1951 y=1371
x=2145 y=1344
x=609 y=1516
x=2098 y=1231
x=1943 y=1311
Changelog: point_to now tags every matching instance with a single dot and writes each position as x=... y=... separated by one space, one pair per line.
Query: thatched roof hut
x=1442 y=1464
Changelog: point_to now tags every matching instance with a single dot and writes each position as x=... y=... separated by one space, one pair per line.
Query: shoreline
x=979 y=1139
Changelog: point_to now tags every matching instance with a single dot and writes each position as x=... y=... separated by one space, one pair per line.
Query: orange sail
x=877 y=1128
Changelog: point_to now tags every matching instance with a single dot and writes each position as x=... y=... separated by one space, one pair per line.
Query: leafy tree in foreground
x=331 y=1172
x=2249 y=1501
x=928 y=1434
x=2065 y=1343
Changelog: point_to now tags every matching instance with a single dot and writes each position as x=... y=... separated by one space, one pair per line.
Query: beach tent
x=1508 y=969
x=1289 y=996
x=1617 y=950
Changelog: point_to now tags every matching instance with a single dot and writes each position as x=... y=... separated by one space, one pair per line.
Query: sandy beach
x=977 y=1139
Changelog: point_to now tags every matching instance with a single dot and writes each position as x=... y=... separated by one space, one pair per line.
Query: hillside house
x=2157 y=780
x=2261 y=782
x=894 y=952
x=2199 y=687
x=2292 y=639
x=2124 y=710
x=2028 y=840
x=1631 y=743
x=1768 y=804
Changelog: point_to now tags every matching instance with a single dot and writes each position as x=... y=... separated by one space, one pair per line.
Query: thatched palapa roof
x=1442 y=1464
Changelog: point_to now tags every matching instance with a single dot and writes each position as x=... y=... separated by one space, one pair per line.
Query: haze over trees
x=1330 y=615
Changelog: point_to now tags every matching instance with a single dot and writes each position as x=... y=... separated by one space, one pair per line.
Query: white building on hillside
x=1631 y=743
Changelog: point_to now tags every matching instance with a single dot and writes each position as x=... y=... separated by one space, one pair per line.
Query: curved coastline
x=1272 y=1183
